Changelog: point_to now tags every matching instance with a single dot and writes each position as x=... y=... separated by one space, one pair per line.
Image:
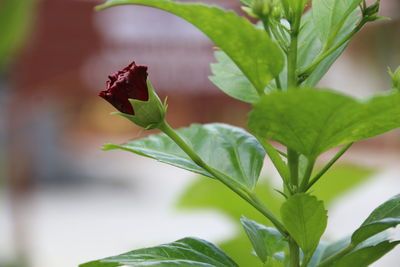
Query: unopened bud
x=131 y=93
x=371 y=12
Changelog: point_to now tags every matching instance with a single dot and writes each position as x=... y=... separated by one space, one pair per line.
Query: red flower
x=129 y=83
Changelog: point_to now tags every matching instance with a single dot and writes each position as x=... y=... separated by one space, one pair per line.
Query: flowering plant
x=275 y=65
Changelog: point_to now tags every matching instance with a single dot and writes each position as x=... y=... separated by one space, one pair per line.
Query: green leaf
x=184 y=252
x=389 y=209
x=370 y=229
x=228 y=149
x=364 y=256
x=330 y=16
x=310 y=46
x=385 y=216
x=256 y=55
x=305 y=218
x=313 y=121
x=266 y=241
x=230 y=79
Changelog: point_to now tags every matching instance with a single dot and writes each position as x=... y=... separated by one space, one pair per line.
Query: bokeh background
x=63 y=201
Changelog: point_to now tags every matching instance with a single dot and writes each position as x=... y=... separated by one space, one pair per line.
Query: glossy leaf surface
x=256 y=55
x=305 y=218
x=313 y=121
x=184 y=252
x=229 y=149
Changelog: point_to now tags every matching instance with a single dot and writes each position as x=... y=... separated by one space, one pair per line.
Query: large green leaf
x=385 y=216
x=256 y=55
x=305 y=218
x=228 y=149
x=330 y=15
x=313 y=121
x=364 y=256
x=184 y=252
x=266 y=241
x=231 y=80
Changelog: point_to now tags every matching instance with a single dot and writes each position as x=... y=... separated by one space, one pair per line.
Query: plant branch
x=230 y=183
x=294 y=253
x=307 y=175
x=328 y=166
x=293 y=156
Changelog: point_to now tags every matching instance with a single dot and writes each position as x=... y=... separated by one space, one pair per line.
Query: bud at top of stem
x=129 y=91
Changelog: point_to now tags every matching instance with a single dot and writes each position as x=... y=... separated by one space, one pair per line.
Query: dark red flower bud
x=129 y=83
x=132 y=94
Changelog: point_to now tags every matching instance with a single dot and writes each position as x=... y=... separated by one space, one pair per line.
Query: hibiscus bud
x=395 y=79
x=130 y=92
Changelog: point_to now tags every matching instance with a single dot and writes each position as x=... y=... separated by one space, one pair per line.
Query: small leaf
x=364 y=256
x=256 y=55
x=228 y=149
x=313 y=121
x=385 y=216
x=266 y=241
x=305 y=218
x=184 y=252
x=230 y=79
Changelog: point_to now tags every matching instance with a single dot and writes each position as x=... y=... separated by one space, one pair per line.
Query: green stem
x=292 y=53
x=328 y=166
x=307 y=174
x=294 y=253
x=235 y=187
x=329 y=261
x=306 y=72
x=293 y=156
